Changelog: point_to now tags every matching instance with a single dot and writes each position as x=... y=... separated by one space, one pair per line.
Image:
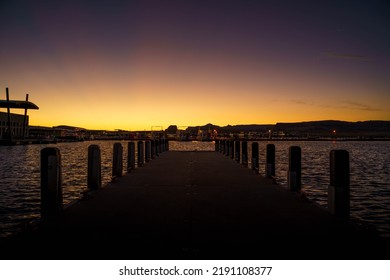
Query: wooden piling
x=227 y=148
x=160 y=146
x=255 y=156
x=94 y=181
x=244 y=153
x=130 y=156
x=152 y=149
x=294 y=169
x=339 y=189
x=140 y=153
x=147 y=151
x=231 y=149
x=270 y=161
x=237 y=150
x=117 y=160
x=156 y=144
x=51 y=182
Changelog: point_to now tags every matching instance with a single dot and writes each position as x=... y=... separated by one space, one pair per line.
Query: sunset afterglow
x=137 y=64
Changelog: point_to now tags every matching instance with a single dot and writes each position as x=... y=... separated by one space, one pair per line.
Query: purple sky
x=193 y=62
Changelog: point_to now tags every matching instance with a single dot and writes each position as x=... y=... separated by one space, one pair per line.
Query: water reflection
x=369 y=171
x=370 y=175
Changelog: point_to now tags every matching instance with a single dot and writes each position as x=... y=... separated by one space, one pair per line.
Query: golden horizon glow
x=162 y=69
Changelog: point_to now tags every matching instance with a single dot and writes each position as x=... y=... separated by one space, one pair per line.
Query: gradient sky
x=135 y=65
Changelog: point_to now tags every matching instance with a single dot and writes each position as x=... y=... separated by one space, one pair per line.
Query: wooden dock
x=195 y=205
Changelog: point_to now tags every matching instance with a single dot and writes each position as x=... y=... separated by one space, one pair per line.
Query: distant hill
x=339 y=128
x=323 y=128
x=68 y=127
x=233 y=128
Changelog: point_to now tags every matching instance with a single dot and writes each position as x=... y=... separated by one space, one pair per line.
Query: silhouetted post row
x=338 y=190
x=51 y=177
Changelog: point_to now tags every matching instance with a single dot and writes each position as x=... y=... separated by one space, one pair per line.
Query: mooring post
x=94 y=168
x=156 y=143
x=231 y=149
x=152 y=149
x=270 y=161
x=223 y=148
x=51 y=182
x=147 y=151
x=216 y=145
x=255 y=156
x=117 y=160
x=130 y=156
x=294 y=169
x=237 y=145
x=160 y=151
x=140 y=153
x=227 y=147
x=339 y=190
x=161 y=146
x=244 y=152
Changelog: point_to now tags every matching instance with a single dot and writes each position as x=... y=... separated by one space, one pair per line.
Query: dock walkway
x=196 y=205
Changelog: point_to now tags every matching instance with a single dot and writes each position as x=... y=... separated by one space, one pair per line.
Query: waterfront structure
x=14 y=125
x=17 y=126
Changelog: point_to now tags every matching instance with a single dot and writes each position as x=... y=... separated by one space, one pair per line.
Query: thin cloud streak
x=361 y=106
x=351 y=105
x=347 y=56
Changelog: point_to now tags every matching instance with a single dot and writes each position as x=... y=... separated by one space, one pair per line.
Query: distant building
x=16 y=125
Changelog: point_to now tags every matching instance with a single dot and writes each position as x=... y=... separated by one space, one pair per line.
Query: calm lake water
x=369 y=166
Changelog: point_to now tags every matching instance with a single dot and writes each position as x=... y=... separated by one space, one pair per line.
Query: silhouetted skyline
x=137 y=64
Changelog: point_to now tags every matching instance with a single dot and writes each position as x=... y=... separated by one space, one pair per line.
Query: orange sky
x=192 y=66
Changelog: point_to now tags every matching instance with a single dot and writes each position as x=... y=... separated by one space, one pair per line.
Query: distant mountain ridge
x=377 y=128
x=323 y=128
x=340 y=128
